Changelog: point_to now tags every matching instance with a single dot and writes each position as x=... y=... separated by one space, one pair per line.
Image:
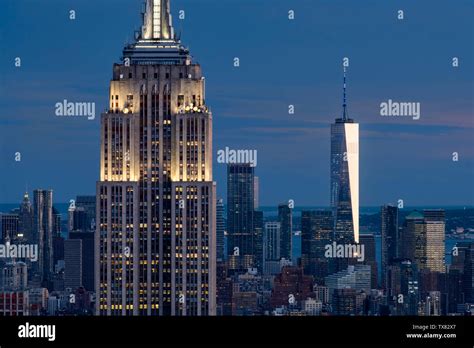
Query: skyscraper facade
x=434 y=236
x=402 y=279
x=285 y=217
x=9 y=226
x=82 y=214
x=43 y=222
x=345 y=176
x=256 y=191
x=240 y=219
x=88 y=205
x=26 y=218
x=87 y=257
x=258 y=232
x=412 y=227
x=316 y=233
x=14 y=276
x=57 y=228
x=271 y=241
x=73 y=273
x=468 y=281
x=390 y=240
x=220 y=229
x=370 y=258
x=156 y=210
x=423 y=238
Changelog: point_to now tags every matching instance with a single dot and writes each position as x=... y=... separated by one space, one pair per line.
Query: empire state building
x=155 y=237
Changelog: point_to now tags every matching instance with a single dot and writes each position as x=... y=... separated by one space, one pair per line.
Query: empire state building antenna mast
x=157 y=24
x=156 y=43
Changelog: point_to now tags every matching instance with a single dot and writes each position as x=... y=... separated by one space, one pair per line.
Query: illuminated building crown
x=156 y=43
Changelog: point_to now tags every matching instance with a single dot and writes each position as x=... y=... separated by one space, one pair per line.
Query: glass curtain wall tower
x=345 y=176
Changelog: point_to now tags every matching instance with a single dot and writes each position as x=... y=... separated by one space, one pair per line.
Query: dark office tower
x=43 y=224
x=224 y=290
x=469 y=273
x=344 y=302
x=26 y=218
x=73 y=264
x=410 y=287
x=258 y=239
x=390 y=242
x=82 y=214
x=156 y=210
x=345 y=176
x=285 y=218
x=88 y=205
x=240 y=219
x=412 y=227
x=271 y=241
x=58 y=249
x=87 y=258
x=368 y=241
x=56 y=223
x=455 y=290
x=13 y=276
x=316 y=233
x=459 y=256
x=77 y=220
x=9 y=226
x=58 y=241
x=220 y=229
x=402 y=279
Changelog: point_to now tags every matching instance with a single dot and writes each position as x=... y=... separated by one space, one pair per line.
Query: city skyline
x=425 y=146
x=235 y=161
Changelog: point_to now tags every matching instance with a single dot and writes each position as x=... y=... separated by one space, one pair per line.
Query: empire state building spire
x=157 y=23
x=156 y=43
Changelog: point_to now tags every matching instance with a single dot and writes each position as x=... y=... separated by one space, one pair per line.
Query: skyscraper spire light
x=157 y=24
x=156 y=43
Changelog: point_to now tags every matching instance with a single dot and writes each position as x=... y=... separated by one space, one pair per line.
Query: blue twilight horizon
x=282 y=62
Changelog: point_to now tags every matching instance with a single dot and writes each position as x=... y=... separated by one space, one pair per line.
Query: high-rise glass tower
x=258 y=228
x=240 y=217
x=220 y=230
x=285 y=217
x=156 y=209
x=26 y=218
x=433 y=240
x=412 y=228
x=423 y=240
x=43 y=222
x=9 y=226
x=370 y=258
x=271 y=241
x=345 y=176
x=316 y=233
x=390 y=237
x=468 y=281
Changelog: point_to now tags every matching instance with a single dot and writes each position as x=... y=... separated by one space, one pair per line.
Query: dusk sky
x=282 y=62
